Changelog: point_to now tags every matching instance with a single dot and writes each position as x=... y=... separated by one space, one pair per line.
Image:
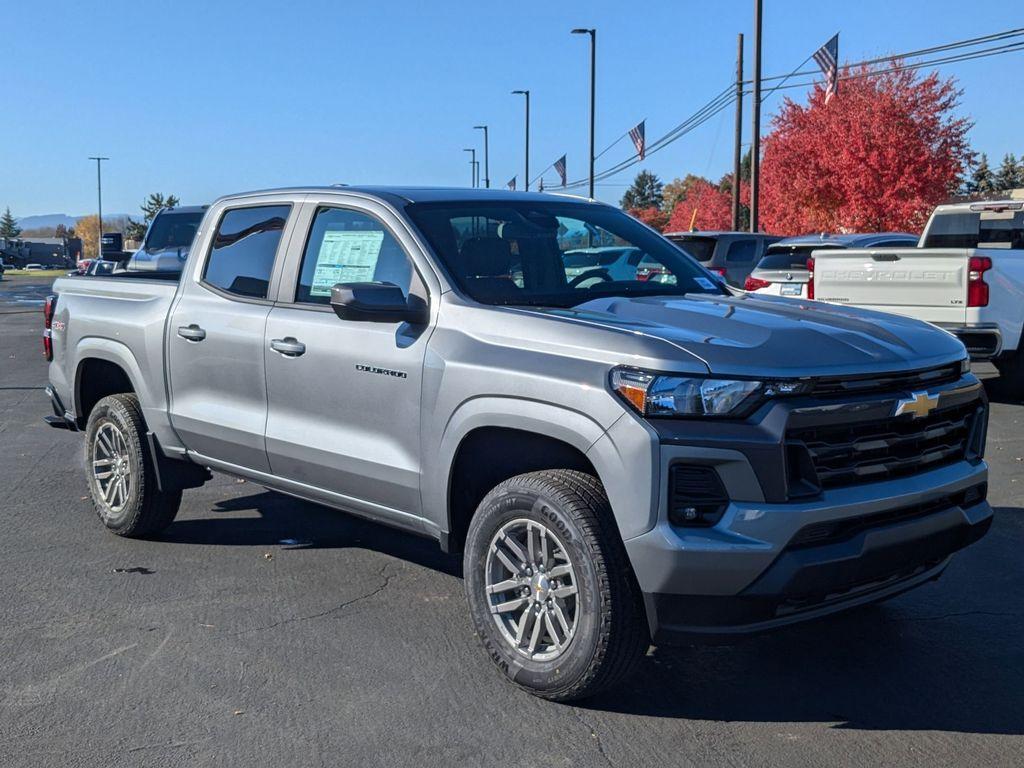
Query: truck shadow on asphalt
x=937 y=661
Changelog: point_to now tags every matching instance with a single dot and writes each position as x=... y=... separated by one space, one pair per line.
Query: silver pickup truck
x=619 y=460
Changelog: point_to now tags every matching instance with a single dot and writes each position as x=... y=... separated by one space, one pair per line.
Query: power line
x=727 y=96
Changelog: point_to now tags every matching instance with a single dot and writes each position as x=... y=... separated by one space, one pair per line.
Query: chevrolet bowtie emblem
x=918 y=405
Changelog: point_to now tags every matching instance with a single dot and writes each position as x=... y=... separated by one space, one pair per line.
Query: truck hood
x=754 y=335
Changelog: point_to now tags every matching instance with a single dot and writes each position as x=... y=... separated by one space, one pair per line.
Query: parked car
x=967 y=276
x=167 y=240
x=617 y=262
x=101 y=267
x=783 y=271
x=731 y=254
x=618 y=462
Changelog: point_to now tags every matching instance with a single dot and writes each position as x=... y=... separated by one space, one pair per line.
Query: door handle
x=288 y=346
x=191 y=332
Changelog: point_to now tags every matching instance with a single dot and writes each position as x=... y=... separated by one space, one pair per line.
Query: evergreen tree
x=982 y=179
x=9 y=225
x=155 y=203
x=1009 y=174
x=646 y=192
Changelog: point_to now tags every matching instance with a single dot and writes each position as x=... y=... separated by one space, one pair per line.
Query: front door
x=344 y=396
x=215 y=339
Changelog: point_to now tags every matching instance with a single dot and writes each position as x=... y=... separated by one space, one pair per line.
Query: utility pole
x=755 y=138
x=737 y=154
x=472 y=166
x=593 y=73
x=99 y=205
x=526 y=174
x=487 y=157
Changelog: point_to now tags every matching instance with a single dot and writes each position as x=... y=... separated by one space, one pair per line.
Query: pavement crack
x=578 y=714
x=385 y=582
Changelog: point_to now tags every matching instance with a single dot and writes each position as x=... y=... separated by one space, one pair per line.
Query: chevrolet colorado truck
x=966 y=275
x=618 y=460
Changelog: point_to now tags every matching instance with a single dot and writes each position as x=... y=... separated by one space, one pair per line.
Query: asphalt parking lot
x=219 y=645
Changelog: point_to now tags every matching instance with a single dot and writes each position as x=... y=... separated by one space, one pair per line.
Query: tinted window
x=786 y=261
x=793 y=254
x=741 y=252
x=173 y=230
x=974 y=229
x=905 y=243
x=349 y=247
x=242 y=257
x=701 y=248
x=515 y=253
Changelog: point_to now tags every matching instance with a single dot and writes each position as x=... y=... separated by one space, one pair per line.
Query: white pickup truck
x=966 y=276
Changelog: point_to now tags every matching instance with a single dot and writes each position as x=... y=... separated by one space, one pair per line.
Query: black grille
x=888 y=382
x=864 y=452
x=833 y=531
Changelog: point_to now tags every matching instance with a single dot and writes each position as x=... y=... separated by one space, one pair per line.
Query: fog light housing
x=696 y=496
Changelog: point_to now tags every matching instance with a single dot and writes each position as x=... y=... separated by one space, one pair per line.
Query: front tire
x=1011 y=374
x=122 y=479
x=550 y=589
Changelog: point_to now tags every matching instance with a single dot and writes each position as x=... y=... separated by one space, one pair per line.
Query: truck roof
x=857 y=240
x=406 y=194
x=979 y=205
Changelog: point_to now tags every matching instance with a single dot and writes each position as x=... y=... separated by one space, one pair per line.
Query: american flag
x=827 y=58
x=512 y=184
x=637 y=135
x=560 y=168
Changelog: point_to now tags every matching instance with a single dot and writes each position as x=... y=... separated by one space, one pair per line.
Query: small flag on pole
x=560 y=168
x=512 y=184
x=827 y=57
x=637 y=135
x=540 y=186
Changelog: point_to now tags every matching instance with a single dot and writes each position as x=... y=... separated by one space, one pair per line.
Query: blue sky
x=206 y=98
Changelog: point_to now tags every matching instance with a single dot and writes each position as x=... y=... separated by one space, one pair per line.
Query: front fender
x=626 y=474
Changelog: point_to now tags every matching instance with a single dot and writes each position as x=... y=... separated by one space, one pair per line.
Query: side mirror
x=377 y=303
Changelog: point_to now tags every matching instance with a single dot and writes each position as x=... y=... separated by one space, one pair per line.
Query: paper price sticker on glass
x=346 y=257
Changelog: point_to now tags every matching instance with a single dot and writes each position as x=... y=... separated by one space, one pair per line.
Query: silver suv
x=620 y=459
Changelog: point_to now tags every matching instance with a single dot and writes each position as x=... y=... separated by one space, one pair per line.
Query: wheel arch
x=104 y=368
x=491 y=439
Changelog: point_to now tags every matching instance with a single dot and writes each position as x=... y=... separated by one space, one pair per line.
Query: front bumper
x=781 y=555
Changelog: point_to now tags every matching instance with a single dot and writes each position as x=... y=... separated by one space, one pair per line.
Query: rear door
x=929 y=284
x=343 y=396
x=215 y=335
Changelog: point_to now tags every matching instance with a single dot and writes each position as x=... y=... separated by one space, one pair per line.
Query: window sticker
x=704 y=283
x=346 y=257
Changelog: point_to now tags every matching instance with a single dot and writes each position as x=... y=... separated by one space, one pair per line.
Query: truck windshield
x=173 y=230
x=528 y=253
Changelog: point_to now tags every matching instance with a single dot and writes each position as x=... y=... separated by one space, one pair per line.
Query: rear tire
x=121 y=476
x=543 y=548
x=1011 y=374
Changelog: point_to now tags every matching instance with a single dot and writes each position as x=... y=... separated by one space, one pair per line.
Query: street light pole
x=737 y=155
x=755 y=139
x=593 y=74
x=99 y=205
x=526 y=175
x=472 y=166
x=487 y=157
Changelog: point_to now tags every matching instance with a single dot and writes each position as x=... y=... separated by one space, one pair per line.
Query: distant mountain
x=55 y=219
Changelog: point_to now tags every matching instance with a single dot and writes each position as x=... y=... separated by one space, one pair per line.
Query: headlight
x=659 y=395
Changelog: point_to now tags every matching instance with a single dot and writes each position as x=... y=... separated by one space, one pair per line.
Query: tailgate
x=926 y=283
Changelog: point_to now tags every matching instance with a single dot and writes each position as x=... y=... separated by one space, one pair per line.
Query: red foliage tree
x=652 y=217
x=712 y=204
x=879 y=156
